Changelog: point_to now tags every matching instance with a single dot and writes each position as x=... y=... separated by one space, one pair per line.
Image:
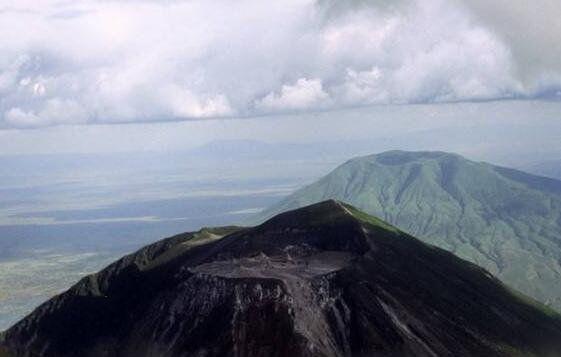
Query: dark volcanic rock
x=325 y=280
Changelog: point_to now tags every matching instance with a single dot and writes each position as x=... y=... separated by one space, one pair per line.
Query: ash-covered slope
x=324 y=280
x=507 y=221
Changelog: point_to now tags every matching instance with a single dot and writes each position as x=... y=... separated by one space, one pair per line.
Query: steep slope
x=324 y=280
x=505 y=220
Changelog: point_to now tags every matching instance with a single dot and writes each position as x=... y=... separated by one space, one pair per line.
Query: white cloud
x=184 y=104
x=54 y=111
x=122 y=61
x=19 y=118
x=304 y=94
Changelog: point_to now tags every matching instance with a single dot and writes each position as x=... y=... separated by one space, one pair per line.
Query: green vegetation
x=170 y=248
x=536 y=304
x=505 y=220
x=370 y=219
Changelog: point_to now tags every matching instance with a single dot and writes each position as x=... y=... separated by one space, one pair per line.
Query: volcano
x=323 y=280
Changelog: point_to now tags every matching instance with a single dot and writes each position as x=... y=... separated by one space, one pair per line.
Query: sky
x=117 y=61
x=513 y=133
x=142 y=85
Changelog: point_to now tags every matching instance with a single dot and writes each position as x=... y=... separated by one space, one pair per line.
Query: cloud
x=18 y=117
x=121 y=61
x=304 y=94
x=54 y=111
x=531 y=29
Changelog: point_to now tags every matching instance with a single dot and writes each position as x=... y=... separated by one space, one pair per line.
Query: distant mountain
x=505 y=220
x=258 y=150
x=550 y=168
x=325 y=280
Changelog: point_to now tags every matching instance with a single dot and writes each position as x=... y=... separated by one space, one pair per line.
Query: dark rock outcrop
x=324 y=280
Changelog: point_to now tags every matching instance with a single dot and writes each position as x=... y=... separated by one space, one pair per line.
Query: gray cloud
x=532 y=30
x=120 y=61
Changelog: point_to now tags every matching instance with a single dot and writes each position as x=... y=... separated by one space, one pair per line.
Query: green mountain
x=505 y=220
x=325 y=280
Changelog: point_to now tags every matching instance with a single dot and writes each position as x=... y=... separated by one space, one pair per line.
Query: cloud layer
x=118 y=61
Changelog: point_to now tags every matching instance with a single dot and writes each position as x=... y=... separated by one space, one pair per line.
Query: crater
x=277 y=267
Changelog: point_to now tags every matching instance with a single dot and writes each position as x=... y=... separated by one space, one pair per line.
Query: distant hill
x=325 y=280
x=551 y=168
x=505 y=220
x=257 y=150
